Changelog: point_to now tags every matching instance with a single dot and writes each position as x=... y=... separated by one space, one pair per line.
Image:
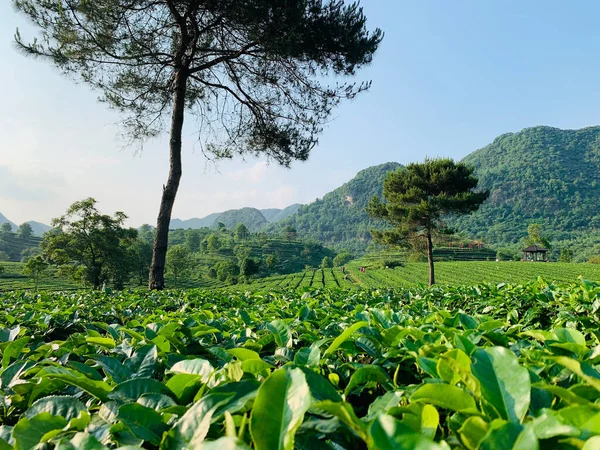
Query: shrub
x=594 y=259
x=342 y=259
x=391 y=263
x=326 y=263
x=506 y=254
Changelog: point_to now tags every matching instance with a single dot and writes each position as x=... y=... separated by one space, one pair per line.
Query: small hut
x=535 y=253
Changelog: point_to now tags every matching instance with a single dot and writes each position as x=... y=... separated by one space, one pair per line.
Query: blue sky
x=449 y=77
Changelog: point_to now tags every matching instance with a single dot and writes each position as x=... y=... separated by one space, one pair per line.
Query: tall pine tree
x=252 y=72
x=418 y=197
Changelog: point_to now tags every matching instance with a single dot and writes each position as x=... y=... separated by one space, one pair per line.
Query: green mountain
x=541 y=174
x=194 y=223
x=38 y=228
x=3 y=219
x=339 y=220
x=254 y=221
x=277 y=215
x=251 y=217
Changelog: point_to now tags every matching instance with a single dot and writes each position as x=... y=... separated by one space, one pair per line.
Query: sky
x=448 y=78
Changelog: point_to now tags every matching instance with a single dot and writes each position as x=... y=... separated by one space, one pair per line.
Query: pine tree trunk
x=159 y=249
x=430 y=259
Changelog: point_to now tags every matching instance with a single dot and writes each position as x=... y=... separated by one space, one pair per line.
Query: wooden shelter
x=535 y=253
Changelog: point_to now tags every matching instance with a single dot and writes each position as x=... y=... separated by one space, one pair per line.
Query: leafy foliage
x=94 y=245
x=35 y=267
x=491 y=366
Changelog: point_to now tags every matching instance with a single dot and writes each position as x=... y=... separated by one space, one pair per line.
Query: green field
x=414 y=274
x=451 y=273
x=475 y=367
x=14 y=279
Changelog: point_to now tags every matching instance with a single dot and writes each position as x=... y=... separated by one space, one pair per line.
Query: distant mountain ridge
x=254 y=219
x=38 y=228
x=539 y=174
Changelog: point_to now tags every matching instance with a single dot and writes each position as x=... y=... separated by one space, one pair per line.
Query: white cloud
x=255 y=174
x=282 y=197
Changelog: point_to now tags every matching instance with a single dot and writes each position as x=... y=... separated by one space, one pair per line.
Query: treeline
x=97 y=250
x=19 y=246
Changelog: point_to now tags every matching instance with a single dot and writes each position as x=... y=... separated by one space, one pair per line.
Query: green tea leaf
x=132 y=390
x=445 y=396
x=56 y=405
x=367 y=374
x=388 y=433
x=505 y=384
x=344 y=336
x=143 y=422
x=278 y=410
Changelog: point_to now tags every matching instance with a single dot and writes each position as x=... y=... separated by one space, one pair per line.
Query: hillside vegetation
x=254 y=219
x=541 y=174
x=339 y=219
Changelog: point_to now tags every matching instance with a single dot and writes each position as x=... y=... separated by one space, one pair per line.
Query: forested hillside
x=251 y=217
x=247 y=216
x=541 y=174
x=277 y=215
x=339 y=219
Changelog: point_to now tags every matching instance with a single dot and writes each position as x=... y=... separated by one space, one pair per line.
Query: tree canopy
x=252 y=71
x=35 y=267
x=419 y=197
x=25 y=231
x=94 y=246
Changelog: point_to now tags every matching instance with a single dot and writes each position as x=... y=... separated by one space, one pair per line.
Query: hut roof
x=535 y=248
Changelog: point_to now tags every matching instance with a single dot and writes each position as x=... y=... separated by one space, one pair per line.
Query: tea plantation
x=495 y=366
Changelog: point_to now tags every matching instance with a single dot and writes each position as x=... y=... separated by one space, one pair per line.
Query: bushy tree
x=5 y=228
x=146 y=233
x=249 y=266
x=342 y=258
x=326 y=263
x=35 y=267
x=213 y=244
x=30 y=252
x=179 y=261
x=505 y=254
x=290 y=233
x=566 y=255
x=24 y=231
x=97 y=244
x=419 y=197
x=536 y=237
x=270 y=260
x=4 y=256
x=226 y=270
x=141 y=258
x=241 y=232
x=192 y=240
